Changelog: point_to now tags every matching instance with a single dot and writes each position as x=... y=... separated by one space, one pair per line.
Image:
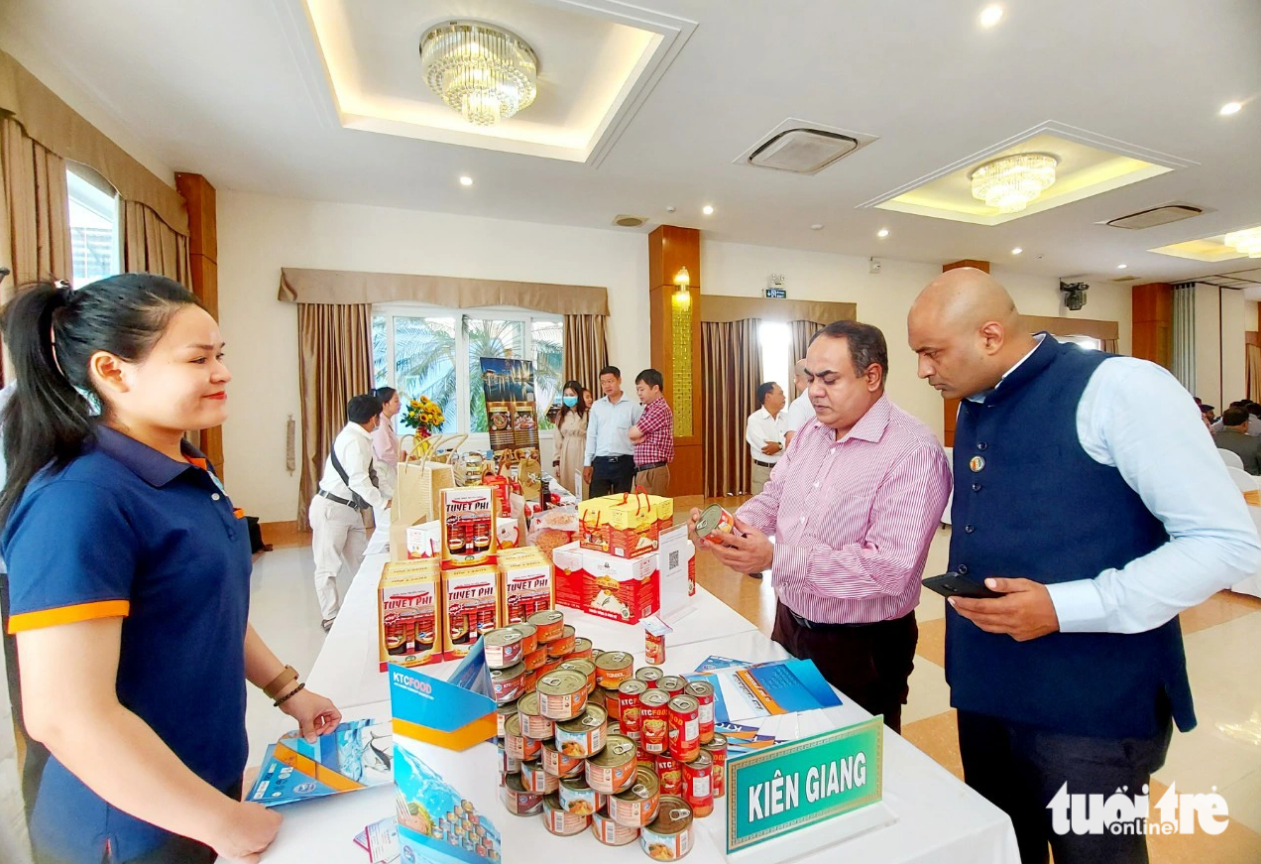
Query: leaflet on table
x=746 y=739
x=769 y=689
x=380 y=841
x=356 y=755
x=436 y=824
x=454 y=714
x=713 y=663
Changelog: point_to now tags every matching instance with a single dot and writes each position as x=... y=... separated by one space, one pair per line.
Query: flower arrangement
x=424 y=415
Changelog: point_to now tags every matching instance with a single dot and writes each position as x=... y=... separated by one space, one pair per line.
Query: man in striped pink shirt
x=853 y=505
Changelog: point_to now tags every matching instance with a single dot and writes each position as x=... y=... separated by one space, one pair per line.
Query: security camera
x=1074 y=294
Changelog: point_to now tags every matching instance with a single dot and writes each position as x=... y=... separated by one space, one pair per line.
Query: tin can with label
x=587 y=668
x=610 y=833
x=558 y=764
x=519 y=747
x=613 y=769
x=715 y=521
x=685 y=728
x=562 y=695
x=583 y=736
x=507 y=764
x=502 y=713
x=638 y=805
x=582 y=649
x=654 y=722
x=717 y=750
x=519 y=800
x=537 y=780
x=563 y=646
x=549 y=625
x=599 y=697
x=670 y=772
x=612 y=668
x=698 y=785
x=577 y=797
x=507 y=685
x=536 y=660
x=669 y=838
x=654 y=648
x=673 y=684
x=504 y=648
x=703 y=693
x=628 y=705
x=552 y=664
x=651 y=676
x=533 y=724
x=561 y=822
x=529 y=637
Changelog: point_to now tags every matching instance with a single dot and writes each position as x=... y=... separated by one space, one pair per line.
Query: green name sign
x=795 y=785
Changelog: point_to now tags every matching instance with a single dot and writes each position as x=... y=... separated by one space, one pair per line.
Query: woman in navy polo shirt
x=129 y=580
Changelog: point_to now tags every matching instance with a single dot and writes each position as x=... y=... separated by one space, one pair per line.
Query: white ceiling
x=219 y=89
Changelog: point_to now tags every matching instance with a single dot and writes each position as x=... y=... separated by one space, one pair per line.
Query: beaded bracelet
x=294 y=692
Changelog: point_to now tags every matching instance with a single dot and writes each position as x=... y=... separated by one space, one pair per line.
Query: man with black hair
x=352 y=483
x=766 y=433
x=653 y=434
x=609 y=461
x=1252 y=409
x=1235 y=438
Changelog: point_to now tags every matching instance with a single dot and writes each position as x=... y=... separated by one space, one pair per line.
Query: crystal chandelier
x=485 y=73
x=1246 y=242
x=1011 y=182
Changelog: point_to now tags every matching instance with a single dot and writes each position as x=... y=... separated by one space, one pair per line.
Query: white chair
x=950 y=457
x=1245 y=481
x=1231 y=458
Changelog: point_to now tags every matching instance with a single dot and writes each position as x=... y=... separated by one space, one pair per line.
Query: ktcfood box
x=470 y=607
x=409 y=610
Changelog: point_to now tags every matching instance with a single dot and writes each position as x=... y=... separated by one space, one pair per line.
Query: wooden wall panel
x=1152 y=322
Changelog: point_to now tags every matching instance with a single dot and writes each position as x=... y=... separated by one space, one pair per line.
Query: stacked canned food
x=590 y=743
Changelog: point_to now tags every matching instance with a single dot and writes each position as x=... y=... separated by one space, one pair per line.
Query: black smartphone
x=953 y=585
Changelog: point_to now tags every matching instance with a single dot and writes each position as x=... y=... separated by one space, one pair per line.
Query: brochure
x=356 y=755
x=768 y=690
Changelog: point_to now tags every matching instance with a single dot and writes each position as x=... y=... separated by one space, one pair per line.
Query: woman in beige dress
x=571 y=437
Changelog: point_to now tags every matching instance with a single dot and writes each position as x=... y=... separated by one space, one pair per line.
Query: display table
x=939 y=819
x=1251 y=585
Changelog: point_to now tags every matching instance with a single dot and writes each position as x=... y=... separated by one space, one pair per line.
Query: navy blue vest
x=1031 y=503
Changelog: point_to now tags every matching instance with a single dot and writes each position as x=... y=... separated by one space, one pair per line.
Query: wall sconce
x=682 y=281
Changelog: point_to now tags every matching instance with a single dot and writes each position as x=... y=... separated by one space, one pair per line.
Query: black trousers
x=1020 y=768
x=869 y=663
x=612 y=474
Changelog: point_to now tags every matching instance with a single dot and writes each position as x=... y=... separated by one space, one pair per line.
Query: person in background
x=385 y=448
x=571 y=437
x=1252 y=409
x=653 y=435
x=853 y=505
x=765 y=433
x=129 y=581
x=587 y=398
x=800 y=412
x=1234 y=437
x=351 y=484
x=609 y=460
x=1098 y=525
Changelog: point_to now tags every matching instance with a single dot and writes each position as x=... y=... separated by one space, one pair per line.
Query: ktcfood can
x=654 y=647
x=507 y=764
x=628 y=706
x=577 y=797
x=502 y=713
x=586 y=667
x=536 y=660
x=549 y=625
x=613 y=770
x=507 y=685
x=562 y=646
x=599 y=697
x=610 y=833
x=519 y=747
x=716 y=521
x=562 y=822
x=685 y=728
x=717 y=750
x=654 y=722
x=504 y=648
x=582 y=649
x=529 y=637
x=612 y=668
x=670 y=773
x=537 y=780
x=558 y=764
x=703 y=693
x=583 y=736
x=650 y=675
x=533 y=724
x=638 y=805
x=519 y=800
x=669 y=838
x=673 y=684
x=562 y=695
x=698 y=785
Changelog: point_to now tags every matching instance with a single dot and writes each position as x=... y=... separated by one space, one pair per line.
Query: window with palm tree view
x=423 y=351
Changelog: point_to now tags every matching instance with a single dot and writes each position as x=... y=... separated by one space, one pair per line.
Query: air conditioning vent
x=803 y=151
x=629 y=221
x=1125 y=279
x=1155 y=216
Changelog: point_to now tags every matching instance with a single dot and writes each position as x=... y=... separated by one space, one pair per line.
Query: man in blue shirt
x=609 y=461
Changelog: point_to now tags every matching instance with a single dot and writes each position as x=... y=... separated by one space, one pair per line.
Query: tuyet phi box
x=409 y=610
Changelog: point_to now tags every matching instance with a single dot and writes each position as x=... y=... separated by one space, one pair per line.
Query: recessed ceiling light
x=883 y=232
x=817 y=226
x=466 y=180
x=708 y=210
x=670 y=209
x=992 y=15
x=1122 y=266
x=1231 y=108
x=1017 y=251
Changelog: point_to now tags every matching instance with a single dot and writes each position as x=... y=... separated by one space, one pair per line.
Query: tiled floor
x=1222 y=637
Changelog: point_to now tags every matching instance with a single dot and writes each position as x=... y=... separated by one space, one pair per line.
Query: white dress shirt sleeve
x=1135 y=416
x=755 y=433
x=356 y=456
x=800 y=412
x=593 y=434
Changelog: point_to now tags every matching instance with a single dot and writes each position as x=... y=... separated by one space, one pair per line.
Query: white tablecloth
x=940 y=820
x=1251 y=585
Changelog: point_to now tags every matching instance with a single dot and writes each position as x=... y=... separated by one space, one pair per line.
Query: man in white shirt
x=800 y=412
x=765 y=433
x=609 y=460
x=351 y=484
x=385 y=448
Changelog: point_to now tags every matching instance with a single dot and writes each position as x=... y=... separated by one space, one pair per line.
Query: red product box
x=620 y=589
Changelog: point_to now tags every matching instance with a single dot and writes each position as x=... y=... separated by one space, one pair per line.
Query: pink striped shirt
x=853 y=519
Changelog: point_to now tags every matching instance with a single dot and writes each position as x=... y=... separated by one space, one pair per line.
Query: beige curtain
x=1110 y=345
x=731 y=360
x=1254 y=372
x=586 y=349
x=35 y=218
x=802 y=333
x=152 y=246
x=334 y=364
